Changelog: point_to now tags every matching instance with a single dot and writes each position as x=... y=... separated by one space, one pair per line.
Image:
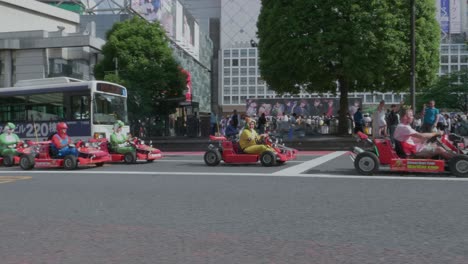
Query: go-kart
x=9 y=159
x=230 y=151
x=41 y=154
x=381 y=152
x=142 y=151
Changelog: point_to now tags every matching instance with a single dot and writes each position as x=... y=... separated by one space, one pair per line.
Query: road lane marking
x=202 y=161
x=7 y=179
x=305 y=166
x=445 y=177
x=201 y=153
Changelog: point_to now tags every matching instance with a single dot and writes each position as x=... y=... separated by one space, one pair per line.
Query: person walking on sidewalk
x=358 y=121
x=430 y=117
x=393 y=119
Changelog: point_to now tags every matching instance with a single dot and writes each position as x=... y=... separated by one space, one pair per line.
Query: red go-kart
x=10 y=160
x=380 y=152
x=230 y=152
x=40 y=154
x=142 y=151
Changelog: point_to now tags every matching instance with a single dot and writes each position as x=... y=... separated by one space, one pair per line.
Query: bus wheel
x=130 y=157
x=27 y=162
x=70 y=162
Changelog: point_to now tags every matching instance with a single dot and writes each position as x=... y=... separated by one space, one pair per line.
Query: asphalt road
x=177 y=210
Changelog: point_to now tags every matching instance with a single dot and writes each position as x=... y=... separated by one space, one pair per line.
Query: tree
x=146 y=67
x=449 y=92
x=345 y=46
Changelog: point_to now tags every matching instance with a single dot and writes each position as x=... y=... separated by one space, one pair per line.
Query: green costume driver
x=8 y=140
x=249 y=138
x=119 y=141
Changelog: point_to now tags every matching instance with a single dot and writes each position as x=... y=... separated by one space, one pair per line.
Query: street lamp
x=413 y=55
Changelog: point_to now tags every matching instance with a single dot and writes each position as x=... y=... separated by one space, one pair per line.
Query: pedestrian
x=380 y=126
x=393 y=119
x=261 y=124
x=430 y=117
x=358 y=121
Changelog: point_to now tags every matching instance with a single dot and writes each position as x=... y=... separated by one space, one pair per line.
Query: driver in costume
x=119 y=141
x=62 y=143
x=413 y=142
x=8 y=140
x=249 y=140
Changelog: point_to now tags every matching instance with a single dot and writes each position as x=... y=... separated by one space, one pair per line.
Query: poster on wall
x=300 y=106
x=157 y=10
x=455 y=17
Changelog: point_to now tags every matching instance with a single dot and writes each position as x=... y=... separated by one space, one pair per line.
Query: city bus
x=90 y=108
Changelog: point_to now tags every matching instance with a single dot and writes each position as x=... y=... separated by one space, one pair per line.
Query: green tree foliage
x=345 y=46
x=146 y=67
x=449 y=92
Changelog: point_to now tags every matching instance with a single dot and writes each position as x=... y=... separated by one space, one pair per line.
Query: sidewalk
x=309 y=143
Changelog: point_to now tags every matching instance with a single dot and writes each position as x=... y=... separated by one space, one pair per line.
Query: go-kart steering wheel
x=434 y=139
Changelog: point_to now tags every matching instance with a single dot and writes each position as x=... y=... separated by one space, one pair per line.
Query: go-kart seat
x=399 y=150
x=53 y=151
x=236 y=147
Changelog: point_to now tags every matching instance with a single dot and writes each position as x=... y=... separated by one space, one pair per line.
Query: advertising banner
x=455 y=17
x=300 y=106
x=444 y=16
x=29 y=130
x=157 y=10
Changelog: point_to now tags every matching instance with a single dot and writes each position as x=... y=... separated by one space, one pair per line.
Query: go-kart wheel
x=212 y=158
x=268 y=159
x=366 y=163
x=27 y=162
x=70 y=162
x=100 y=164
x=130 y=157
x=459 y=165
x=8 y=160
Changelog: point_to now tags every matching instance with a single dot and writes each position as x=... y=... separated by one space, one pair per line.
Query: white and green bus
x=90 y=108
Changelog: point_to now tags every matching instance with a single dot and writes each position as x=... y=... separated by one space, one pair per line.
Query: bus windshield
x=109 y=108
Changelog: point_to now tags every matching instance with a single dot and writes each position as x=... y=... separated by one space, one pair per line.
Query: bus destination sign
x=109 y=88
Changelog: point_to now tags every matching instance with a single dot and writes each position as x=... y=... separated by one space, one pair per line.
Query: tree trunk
x=343 y=111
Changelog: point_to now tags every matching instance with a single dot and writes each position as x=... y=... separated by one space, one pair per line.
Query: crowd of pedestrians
x=382 y=123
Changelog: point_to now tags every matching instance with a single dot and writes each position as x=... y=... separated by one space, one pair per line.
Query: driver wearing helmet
x=119 y=141
x=61 y=142
x=8 y=140
x=249 y=140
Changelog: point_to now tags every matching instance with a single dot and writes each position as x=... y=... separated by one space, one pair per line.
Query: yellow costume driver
x=249 y=138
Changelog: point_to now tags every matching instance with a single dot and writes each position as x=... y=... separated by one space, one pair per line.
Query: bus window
x=109 y=108
x=46 y=107
x=12 y=108
x=80 y=107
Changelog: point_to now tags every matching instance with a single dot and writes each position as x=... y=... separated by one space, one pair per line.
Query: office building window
x=444 y=59
x=252 y=80
x=243 y=62
x=227 y=71
x=227 y=53
x=243 y=99
x=235 y=53
x=444 y=69
x=227 y=81
x=369 y=98
x=235 y=100
x=227 y=62
x=454 y=59
x=235 y=90
x=243 y=90
x=454 y=68
x=252 y=52
x=226 y=100
x=227 y=90
x=252 y=62
x=243 y=71
x=464 y=58
x=235 y=71
x=235 y=62
x=252 y=90
x=243 y=81
x=235 y=81
x=252 y=71
x=388 y=98
x=243 y=53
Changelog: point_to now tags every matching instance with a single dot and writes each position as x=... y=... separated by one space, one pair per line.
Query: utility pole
x=413 y=55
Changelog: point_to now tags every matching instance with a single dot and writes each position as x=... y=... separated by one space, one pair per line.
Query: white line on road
x=309 y=164
x=329 y=176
